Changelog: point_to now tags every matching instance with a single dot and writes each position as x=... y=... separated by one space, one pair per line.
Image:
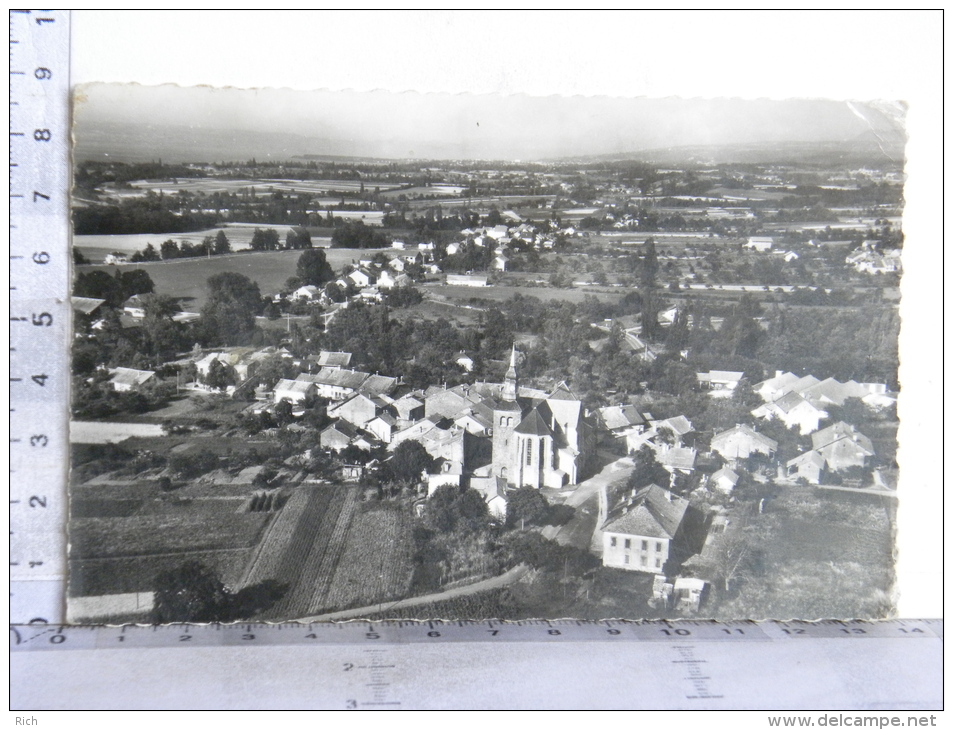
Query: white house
x=640 y=533
x=308 y=292
x=126 y=379
x=760 y=243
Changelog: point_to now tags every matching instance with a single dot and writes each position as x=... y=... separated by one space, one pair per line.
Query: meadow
x=185 y=279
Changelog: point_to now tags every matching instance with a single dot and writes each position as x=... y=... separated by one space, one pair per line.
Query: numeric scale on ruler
x=357 y=664
x=40 y=310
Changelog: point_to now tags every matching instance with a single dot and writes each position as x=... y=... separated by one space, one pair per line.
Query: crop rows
x=309 y=594
x=289 y=536
x=376 y=562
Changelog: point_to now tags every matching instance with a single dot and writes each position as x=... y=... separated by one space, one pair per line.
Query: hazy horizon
x=117 y=121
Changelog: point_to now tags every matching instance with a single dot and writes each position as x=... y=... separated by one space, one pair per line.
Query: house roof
x=789 y=401
x=808 y=457
x=129 y=376
x=334 y=359
x=840 y=430
x=562 y=392
x=721 y=376
x=293 y=386
x=344 y=428
x=778 y=382
x=86 y=305
x=352 y=379
x=829 y=389
x=386 y=418
x=378 y=384
x=726 y=473
x=745 y=431
x=534 y=425
x=678 y=424
x=653 y=512
x=679 y=458
x=615 y=417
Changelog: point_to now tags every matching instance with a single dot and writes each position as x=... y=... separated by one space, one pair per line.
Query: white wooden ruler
x=40 y=310
x=888 y=665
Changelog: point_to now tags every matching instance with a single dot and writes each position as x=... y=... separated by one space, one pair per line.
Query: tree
x=135 y=282
x=190 y=593
x=99 y=285
x=162 y=336
x=78 y=258
x=222 y=245
x=298 y=238
x=526 y=506
x=647 y=470
x=169 y=249
x=228 y=318
x=313 y=268
x=406 y=466
x=267 y=240
x=648 y=288
x=220 y=376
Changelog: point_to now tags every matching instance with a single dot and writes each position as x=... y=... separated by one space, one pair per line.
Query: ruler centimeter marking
x=40 y=310
x=40 y=636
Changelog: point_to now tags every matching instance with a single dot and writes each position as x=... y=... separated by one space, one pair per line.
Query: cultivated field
x=122 y=554
x=376 y=564
x=501 y=293
x=185 y=279
x=262 y=186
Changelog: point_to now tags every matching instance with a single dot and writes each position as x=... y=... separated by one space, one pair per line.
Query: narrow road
x=582 y=531
x=499 y=581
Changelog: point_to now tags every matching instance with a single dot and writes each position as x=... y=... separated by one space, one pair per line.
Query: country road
x=499 y=581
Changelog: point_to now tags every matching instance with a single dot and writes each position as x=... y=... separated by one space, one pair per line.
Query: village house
x=719 y=382
x=741 y=442
x=333 y=360
x=356 y=410
x=724 y=480
x=648 y=528
x=338 y=436
x=383 y=427
x=409 y=408
x=760 y=243
x=363 y=277
x=308 y=293
x=809 y=466
x=466 y=280
x=793 y=410
x=135 y=306
x=127 y=379
x=842 y=446
x=293 y=391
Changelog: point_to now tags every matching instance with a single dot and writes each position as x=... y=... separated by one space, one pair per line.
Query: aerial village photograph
x=343 y=355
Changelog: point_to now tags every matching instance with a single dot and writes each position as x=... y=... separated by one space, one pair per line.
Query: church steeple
x=511 y=381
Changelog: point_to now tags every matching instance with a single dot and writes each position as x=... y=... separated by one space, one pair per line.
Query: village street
x=581 y=530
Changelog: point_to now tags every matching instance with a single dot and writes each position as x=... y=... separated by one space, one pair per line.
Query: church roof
x=534 y=425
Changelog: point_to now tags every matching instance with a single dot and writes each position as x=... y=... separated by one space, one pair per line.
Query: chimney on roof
x=778 y=373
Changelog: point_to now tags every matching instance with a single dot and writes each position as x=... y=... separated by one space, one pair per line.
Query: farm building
x=467 y=280
x=126 y=379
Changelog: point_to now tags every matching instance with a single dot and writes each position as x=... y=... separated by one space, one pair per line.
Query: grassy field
x=827 y=556
x=503 y=292
x=185 y=279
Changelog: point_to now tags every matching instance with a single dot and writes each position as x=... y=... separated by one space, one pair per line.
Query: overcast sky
x=487 y=126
